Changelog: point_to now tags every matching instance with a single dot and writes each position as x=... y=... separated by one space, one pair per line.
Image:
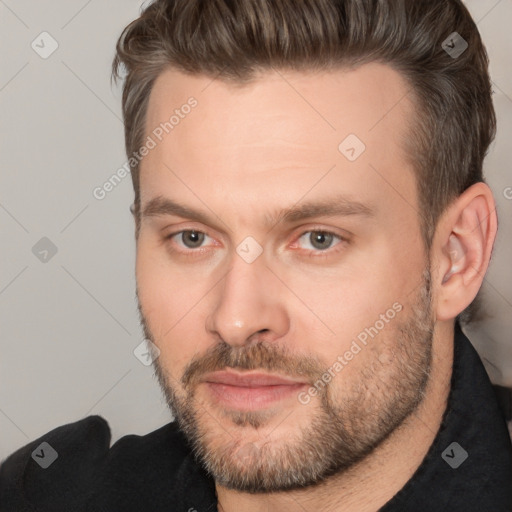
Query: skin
x=246 y=152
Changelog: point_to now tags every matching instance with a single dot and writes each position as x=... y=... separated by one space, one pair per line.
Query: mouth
x=250 y=390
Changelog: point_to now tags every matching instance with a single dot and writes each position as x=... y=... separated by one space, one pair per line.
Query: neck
x=391 y=464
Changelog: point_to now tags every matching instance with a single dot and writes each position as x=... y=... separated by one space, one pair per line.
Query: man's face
x=290 y=346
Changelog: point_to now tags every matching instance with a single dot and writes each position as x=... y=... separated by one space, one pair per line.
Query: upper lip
x=248 y=379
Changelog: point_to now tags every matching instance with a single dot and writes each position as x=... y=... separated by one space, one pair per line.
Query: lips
x=249 y=379
x=249 y=391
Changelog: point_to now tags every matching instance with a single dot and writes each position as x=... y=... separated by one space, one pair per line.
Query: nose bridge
x=247 y=301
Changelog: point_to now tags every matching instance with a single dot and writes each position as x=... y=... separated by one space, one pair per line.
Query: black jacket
x=157 y=472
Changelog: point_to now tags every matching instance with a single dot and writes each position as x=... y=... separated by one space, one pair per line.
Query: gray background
x=69 y=324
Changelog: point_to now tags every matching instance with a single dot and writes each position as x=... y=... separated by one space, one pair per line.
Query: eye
x=190 y=238
x=190 y=241
x=319 y=240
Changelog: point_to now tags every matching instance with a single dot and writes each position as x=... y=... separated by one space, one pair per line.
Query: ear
x=463 y=245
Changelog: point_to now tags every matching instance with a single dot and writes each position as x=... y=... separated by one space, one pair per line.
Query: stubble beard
x=346 y=425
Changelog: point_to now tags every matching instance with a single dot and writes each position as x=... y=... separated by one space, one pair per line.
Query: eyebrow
x=338 y=206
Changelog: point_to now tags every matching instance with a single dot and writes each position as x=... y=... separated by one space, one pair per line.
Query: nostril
x=258 y=337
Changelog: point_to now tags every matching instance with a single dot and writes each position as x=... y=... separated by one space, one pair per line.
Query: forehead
x=345 y=99
x=283 y=130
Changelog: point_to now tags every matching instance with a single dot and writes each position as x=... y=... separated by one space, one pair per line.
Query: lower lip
x=252 y=398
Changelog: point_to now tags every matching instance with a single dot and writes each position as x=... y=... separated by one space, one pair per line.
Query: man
x=312 y=224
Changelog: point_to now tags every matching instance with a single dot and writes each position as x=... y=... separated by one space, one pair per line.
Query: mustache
x=261 y=356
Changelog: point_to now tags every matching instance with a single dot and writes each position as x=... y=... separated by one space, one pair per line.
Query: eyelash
x=312 y=253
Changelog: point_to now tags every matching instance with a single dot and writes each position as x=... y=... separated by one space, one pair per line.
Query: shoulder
x=67 y=465
x=41 y=473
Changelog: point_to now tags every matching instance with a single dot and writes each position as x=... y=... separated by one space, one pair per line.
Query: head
x=309 y=204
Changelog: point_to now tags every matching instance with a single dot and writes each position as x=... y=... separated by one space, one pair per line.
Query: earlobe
x=466 y=238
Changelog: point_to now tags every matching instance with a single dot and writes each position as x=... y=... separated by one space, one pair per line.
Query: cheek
x=339 y=307
x=171 y=304
x=338 y=303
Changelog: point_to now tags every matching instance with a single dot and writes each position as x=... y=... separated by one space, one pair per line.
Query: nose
x=249 y=304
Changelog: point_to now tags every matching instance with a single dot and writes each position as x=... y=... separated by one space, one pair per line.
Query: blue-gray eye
x=196 y=238
x=320 y=240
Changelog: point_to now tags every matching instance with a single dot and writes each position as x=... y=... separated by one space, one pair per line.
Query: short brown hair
x=232 y=40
